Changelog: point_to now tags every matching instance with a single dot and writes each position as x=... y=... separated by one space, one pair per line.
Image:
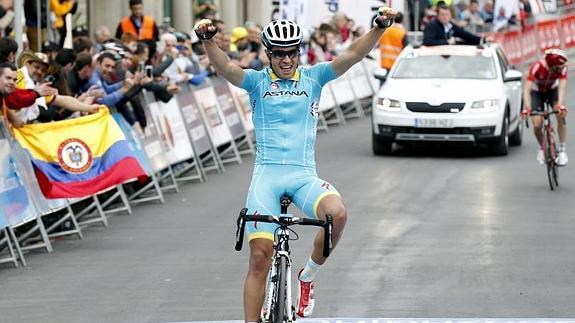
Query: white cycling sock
x=309 y=271
x=562 y=146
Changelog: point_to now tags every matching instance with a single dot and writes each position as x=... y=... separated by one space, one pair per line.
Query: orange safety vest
x=146 y=31
x=391 y=44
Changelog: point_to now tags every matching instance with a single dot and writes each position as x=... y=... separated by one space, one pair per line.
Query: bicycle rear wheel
x=278 y=310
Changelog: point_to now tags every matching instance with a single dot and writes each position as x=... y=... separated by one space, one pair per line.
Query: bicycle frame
x=549 y=146
x=278 y=300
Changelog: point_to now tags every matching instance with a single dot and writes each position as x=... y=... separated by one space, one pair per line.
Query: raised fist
x=385 y=17
x=205 y=30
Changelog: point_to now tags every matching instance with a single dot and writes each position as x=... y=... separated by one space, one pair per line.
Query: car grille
x=436 y=134
x=428 y=108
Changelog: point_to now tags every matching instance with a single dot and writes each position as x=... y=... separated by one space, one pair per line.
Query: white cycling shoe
x=562 y=159
x=540 y=156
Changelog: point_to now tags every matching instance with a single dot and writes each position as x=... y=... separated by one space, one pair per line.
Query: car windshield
x=446 y=66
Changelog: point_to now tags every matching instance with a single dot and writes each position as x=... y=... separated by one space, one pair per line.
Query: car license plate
x=434 y=123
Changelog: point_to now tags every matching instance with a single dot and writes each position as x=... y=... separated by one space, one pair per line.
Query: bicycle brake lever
x=240 y=223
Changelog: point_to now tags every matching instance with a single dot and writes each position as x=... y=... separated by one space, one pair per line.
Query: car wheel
x=501 y=146
x=516 y=138
x=381 y=146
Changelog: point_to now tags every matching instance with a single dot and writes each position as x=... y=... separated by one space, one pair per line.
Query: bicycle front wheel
x=550 y=161
x=279 y=314
x=555 y=169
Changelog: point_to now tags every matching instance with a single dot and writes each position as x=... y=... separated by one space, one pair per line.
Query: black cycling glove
x=205 y=35
x=381 y=23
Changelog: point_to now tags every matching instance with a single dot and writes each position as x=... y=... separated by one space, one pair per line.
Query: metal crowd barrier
x=200 y=130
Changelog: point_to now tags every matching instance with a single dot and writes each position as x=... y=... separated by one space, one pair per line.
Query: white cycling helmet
x=281 y=33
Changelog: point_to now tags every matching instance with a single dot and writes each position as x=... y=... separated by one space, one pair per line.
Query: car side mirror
x=512 y=76
x=380 y=74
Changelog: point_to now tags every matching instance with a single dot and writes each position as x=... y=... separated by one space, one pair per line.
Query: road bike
x=278 y=306
x=549 y=144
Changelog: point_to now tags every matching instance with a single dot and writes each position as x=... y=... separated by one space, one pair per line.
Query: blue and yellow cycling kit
x=285 y=115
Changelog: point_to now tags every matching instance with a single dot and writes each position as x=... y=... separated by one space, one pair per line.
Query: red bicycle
x=549 y=145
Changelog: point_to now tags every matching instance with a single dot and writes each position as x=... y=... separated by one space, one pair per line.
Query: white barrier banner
x=342 y=90
x=326 y=100
x=359 y=81
x=370 y=67
x=242 y=99
x=172 y=131
x=228 y=107
x=152 y=144
x=193 y=121
x=208 y=104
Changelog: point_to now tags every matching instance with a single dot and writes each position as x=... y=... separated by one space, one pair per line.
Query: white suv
x=452 y=93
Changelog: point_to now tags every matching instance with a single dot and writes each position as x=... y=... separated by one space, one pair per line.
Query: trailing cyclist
x=285 y=100
x=546 y=82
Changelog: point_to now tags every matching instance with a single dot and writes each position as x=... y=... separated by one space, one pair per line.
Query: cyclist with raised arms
x=285 y=102
x=546 y=82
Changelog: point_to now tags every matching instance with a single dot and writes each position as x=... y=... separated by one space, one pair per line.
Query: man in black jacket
x=442 y=31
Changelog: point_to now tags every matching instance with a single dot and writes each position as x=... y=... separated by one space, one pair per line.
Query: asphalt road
x=433 y=232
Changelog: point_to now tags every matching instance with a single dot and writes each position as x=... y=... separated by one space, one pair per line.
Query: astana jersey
x=285 y=113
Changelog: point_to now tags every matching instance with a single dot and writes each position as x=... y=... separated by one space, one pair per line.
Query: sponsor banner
x=359 y=81
x=529 y=42
x=15 y=203
x=512 y=45
x=244 y=105
x=228 y=107
x=193 y=120
x=212 y=115
x=326 y=100
x=548 y=33
x=501 y=39
x=152 y=144
x=568 y=30
x=342 y=90
x=172 y=129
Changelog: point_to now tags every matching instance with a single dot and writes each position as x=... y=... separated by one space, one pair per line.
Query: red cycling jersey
x=543 y=79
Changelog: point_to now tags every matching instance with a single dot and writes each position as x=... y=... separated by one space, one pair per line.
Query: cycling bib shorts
x=271 y=182
x=285 y=114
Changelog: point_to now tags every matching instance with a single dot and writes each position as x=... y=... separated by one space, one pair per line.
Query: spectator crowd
x=53 y=83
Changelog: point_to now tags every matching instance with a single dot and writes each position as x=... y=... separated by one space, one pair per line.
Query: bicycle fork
x=271 y=287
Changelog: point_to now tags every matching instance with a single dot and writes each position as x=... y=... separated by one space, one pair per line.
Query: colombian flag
x=79 y=157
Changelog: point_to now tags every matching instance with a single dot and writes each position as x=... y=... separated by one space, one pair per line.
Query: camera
x=50 y=79
x=149 y=71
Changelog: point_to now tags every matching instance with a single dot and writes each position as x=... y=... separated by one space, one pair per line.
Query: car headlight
x=388 y=105
x=484 y=106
